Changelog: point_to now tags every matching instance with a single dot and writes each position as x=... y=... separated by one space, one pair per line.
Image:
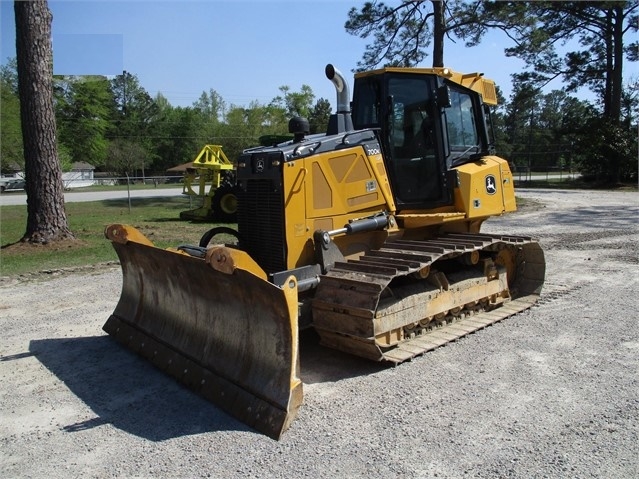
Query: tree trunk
x=46 y=218
x=607 y=97
x=617 y=72
x=439 y=29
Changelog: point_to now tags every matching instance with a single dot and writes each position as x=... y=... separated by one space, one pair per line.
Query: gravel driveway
x=549 y=393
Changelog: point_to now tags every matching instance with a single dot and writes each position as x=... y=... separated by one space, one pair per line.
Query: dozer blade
x=214 y=325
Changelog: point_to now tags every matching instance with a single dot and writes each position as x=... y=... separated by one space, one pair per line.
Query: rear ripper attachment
x=213 y=323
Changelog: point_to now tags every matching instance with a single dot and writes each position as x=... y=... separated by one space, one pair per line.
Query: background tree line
x=116 y=126
x=584 y=44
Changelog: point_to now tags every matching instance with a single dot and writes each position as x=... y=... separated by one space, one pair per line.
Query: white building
x=81 y=175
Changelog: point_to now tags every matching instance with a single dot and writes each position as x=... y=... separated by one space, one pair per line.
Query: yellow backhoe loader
x=370 y=234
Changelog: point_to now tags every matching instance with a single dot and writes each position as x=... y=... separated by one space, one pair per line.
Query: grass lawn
x=157 y=218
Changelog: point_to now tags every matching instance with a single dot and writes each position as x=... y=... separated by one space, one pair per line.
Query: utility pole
x=123 y=92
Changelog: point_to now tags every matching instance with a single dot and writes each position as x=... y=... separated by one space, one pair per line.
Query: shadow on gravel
x=127 y=392
x=319 y=364
x=131 y=394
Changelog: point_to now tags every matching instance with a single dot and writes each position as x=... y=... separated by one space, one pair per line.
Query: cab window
x=460 y=120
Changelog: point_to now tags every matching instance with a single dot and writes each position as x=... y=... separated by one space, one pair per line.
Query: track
x=375 y=308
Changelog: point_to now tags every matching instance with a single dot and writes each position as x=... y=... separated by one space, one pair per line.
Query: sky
x=245 y=50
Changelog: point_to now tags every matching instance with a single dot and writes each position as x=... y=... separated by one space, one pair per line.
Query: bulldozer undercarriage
x=410 y=297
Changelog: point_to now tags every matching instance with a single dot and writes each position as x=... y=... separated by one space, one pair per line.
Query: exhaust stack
x=340 y=121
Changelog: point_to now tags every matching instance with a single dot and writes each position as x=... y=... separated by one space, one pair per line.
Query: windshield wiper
x=461 y=155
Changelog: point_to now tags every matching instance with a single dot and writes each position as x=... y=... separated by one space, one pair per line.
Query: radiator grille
x=260 y=218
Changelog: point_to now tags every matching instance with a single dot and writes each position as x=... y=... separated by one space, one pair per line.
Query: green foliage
x=630 y=104
x=211 y=106
x=583 y=43
x=177 y=137
x=319 y=116
x=83 y=112
x=134 y=112
x=402 y=34
x=210 y=109
x=125 y=157
x=498 y=120
x=11 y=149
x=64 y=156
x=542 y=130
x=608 y=152
x=9 y=74
x=477 y=18
x=245 y=126
x=594 y=34
x=294 y=103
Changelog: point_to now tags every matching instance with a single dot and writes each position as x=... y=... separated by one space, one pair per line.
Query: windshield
x=460 y=121
x=412 y=142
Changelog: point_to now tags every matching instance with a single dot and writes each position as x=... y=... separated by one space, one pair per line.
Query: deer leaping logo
x=491 y=185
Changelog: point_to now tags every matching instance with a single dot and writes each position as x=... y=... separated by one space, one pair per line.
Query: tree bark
x=608 y=85
x=617 y=72
x=46 y=217
x=439 y=30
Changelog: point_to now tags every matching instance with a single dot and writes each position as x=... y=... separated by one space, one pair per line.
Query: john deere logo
x=259 y=166
x=491 y=185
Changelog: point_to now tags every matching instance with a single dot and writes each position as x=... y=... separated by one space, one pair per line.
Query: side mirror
x=443 y=97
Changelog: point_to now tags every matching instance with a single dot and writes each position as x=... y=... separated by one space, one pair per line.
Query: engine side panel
x=326 y=191
x=485 y=188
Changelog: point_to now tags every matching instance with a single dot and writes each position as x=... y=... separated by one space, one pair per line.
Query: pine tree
x=46 y=217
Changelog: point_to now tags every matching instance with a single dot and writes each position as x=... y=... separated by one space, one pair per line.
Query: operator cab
x=427 y=125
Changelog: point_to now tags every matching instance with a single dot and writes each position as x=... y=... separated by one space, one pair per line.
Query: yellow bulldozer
x=370 y=234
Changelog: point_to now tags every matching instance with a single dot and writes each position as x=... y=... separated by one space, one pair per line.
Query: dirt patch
x=528 y=204
x=22 y=247
x=47 y=274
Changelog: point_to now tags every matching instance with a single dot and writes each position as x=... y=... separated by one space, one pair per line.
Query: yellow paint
x=227 y=260
x=474 y=81
x=341 y=186
x=473 y=195
x=473 y=202
x=207 y=168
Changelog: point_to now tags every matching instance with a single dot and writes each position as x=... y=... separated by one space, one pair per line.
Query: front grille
x=260 y=218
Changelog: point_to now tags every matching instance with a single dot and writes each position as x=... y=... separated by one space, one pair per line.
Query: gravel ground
x=550 y=393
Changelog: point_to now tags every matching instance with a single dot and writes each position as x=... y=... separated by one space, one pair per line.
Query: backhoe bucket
x=213 y=323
